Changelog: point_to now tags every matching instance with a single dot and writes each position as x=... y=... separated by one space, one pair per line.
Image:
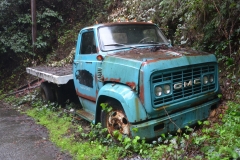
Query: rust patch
x=150 y=61
x=102 y=78
x=141 y=94
x=146 y=54
x=162 y=108
x=131 y=85
x=115 y=80
x=141 y=91
x=188 y=51
x=153 y=54
x=85 y=96
x=117 y=120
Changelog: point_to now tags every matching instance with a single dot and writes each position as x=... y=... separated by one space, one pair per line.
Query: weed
x=106 y=107
x=2 y=96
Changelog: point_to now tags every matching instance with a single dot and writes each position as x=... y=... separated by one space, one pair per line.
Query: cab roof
x=118 y=23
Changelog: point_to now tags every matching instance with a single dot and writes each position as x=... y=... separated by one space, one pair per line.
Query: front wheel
x=115 y=120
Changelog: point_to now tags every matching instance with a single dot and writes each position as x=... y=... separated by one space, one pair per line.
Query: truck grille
x=184 y=78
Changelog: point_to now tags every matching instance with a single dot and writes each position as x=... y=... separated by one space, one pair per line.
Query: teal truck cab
x=151 y=87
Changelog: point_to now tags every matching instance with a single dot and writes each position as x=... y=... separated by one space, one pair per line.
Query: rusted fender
x=129 y=100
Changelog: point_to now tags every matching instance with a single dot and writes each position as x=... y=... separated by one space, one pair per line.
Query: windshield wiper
x=157 y=43
x=115 y=44
x=151 y=42
x=119 y=44
x=160 y=46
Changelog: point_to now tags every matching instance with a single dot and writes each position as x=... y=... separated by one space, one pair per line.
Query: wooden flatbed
x=57 y=75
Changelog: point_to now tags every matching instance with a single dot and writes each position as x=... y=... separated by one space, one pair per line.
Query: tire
x=46 y=92
x=60 y=97
x=115 y=120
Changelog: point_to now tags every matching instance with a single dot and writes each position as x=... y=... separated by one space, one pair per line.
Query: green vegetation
x=58 y=22
x=210 y=140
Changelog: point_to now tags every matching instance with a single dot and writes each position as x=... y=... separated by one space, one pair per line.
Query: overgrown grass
x=211 y=141
x=60 y=126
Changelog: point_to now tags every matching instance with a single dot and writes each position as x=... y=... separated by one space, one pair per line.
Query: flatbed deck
x=57 y=75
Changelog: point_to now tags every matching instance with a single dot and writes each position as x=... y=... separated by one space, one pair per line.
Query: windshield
x=130 y=35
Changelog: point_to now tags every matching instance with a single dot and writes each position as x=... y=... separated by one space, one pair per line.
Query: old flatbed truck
x=131 y=66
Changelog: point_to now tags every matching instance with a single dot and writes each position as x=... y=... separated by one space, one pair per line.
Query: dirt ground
x=21 y=138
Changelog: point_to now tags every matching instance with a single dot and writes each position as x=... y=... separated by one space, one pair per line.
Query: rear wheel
x=46 y=92
x=59 y=95
x=116 y=119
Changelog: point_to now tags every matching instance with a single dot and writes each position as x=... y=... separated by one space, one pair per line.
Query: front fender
x=129 y=100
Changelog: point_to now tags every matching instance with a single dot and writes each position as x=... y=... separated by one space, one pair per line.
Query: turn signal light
x=100 y=58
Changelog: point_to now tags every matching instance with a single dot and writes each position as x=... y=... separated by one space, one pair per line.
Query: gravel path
x=21 y=138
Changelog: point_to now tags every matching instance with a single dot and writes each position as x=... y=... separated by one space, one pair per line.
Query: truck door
x=84 y=67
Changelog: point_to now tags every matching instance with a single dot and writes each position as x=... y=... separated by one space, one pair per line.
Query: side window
x=88 y=44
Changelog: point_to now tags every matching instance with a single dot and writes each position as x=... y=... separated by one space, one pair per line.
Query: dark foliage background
x=54 y=19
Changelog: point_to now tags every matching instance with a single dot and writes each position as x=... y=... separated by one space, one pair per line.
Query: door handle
x=75 y=63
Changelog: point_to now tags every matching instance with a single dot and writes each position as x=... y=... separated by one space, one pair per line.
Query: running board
x=86 y=115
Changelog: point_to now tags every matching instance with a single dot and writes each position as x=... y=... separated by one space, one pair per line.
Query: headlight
x=211 y=78
x=158 y=91
x=166 y=89
x=205 y=79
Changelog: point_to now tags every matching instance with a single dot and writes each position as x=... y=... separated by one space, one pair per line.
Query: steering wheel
x=142 y=40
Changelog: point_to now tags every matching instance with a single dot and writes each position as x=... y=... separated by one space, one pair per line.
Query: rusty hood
x=157 y=53
x=124 y=66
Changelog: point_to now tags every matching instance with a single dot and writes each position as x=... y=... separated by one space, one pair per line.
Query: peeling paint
x=131 y=85
x=153 y=54
x=162 y=108
x=84 y=77
x=141 y=91
x=141 y=95
x=117 y=80
x=85 y=96
x=118 y=121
